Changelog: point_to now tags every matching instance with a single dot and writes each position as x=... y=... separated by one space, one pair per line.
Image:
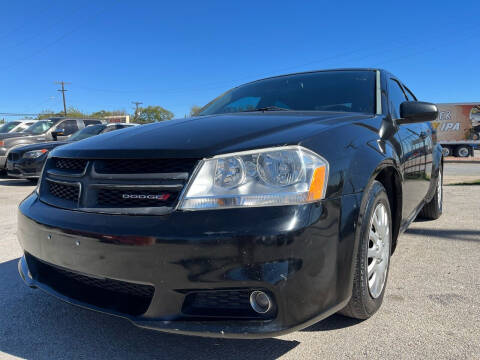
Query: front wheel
x=373 y=256
x=434 y=208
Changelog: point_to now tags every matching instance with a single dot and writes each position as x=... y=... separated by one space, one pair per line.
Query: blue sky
x=179 y=53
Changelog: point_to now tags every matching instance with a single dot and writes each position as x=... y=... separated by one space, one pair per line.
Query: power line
x=377 y=52
x=63 y=83
x=25 y=22
x=57 y=40
x=17 y=114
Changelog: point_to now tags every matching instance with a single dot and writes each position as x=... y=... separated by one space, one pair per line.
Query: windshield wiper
x=268 y=108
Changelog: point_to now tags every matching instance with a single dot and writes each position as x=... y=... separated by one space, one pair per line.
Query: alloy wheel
x=378 y=250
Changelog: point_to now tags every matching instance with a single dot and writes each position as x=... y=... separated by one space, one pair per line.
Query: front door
x=414 y=153
x=68 y=127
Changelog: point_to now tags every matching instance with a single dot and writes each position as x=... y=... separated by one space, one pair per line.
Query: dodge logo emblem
x=161 y=197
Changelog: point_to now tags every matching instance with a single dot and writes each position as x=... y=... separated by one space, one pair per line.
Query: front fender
x=367 y=162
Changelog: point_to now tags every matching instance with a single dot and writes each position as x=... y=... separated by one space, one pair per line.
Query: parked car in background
x=41 y=131
x=279 y=205
x=16 y=126
x=27 y=161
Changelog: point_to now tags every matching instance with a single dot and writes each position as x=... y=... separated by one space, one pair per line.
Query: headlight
x=269 y=177
x=34 y=154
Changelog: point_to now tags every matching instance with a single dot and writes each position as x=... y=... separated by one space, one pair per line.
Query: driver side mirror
x=57 y=133
x=416 y=112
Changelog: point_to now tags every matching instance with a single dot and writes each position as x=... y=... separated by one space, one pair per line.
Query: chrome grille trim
x=63 y=173
x=174 y=176
x=93 y=185
x=140 y=187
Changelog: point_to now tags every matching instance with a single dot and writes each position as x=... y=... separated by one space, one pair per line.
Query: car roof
x=316 y=71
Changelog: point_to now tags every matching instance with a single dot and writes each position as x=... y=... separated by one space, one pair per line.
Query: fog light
x=260 y=302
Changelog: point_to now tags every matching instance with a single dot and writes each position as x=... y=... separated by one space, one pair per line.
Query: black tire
x=462 y=151
x=362 y=304
x=446 y=151
x=434 y=208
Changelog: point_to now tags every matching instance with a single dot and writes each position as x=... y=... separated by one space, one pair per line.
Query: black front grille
x=77 y=165
x=64 y=191
x=119 y=296
x=109 y=284
x=13 y=156
x=135 y=198
x=144 y=166
x=221 y=304
x=115 y=186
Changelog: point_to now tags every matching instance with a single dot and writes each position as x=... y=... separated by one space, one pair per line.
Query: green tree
x=71 y=112
x=194 y=110
x=75 y=112
x=103 y=113
x=45 y=114
x=153 y=114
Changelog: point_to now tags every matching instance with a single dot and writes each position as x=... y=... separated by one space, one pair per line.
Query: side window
x=68 y=126
x=91 y=122
x=395 y=97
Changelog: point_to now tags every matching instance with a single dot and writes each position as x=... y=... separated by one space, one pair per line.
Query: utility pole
x=63 y=83
x=136 y=103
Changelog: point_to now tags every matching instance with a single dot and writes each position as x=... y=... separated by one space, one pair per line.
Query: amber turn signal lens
x=318 y=182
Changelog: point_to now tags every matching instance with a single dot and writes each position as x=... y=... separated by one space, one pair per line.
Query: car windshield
x=8 y=126
x=87 y=132
x=346 y=91
x=22 y=127
x=40 y=127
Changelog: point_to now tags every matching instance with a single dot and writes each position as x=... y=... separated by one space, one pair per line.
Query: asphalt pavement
x=461 y=173
x=431 y=308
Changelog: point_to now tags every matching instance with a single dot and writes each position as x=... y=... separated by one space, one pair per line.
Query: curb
x=457 y=161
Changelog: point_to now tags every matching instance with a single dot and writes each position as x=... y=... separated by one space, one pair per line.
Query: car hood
x=12 y=135
x=206 y=136
x=46 y=145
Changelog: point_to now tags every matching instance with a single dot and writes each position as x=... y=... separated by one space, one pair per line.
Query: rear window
x=344 y=91
x=8 y=126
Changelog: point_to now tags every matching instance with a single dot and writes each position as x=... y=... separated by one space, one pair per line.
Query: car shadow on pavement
x=333 y=322
x=7 y=181
x=36 y=325
x=453 y=234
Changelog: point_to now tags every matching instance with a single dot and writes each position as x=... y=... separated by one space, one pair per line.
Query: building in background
x=117 y=119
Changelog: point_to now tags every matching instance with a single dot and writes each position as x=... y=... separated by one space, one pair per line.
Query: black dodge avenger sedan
x=279 y=205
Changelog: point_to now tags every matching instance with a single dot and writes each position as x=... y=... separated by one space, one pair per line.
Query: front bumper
x=25 y=168
x=301 y=255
